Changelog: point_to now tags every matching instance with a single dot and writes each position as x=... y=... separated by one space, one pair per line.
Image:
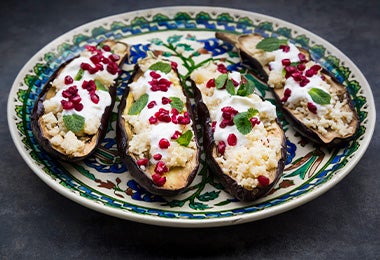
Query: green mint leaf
x=176 y=103
x=138 y=105
x=246 y=88
x=100 y=86
x=319 y=96
x=74 y=122
x=161 y=66
x=185 y=138
x=243 y=125
x=252 y=112
x=79 y=75
x=230 y=87
x=220 y=81
x=271 y=44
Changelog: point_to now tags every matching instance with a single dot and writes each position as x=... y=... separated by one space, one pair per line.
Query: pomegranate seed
x=312 y=108
x=106 y=48
x=232 y=139
x=174 y=65
x=78 y=107
x=73 y=90
x=85 y=66
x=213 y=125
x=165 y=100
x=114 y=57
x=154 y=75
x=161 y=168
x=68 y=80
x=286 y=96
x=222 y=68
x=96 y=58
x=315 y=68
x=99 y=67
x=90 y=48
x=142 y=162
x=157 y=156
x=221 y=147
x=158 y=179
x=301 y=67
x=263 y=180
x=210 y=83
x=235 y=82
x=76 y=99
x=297 y=76
x=323 y=78
x=67 y=104
x=302 y=57
x=66 y=94
x=286 y=62
x=152 y=120
x=174 y=119
x=229 y=110
x=113 y=68
x=176 y=135
x=304 y=82
x=254 y=121
x=151 y=104
x=309 y=73
x=94 y=98
x=105 y=60
x=183 y=120
x=164 y=143
x=174 y=111
x=285 y=48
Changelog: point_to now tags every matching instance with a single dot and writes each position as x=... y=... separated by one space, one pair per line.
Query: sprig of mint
x=220 y=81
x=242 y=120
x=230 y=87
x=100 y=86
x=138 y=105
x=185 y=138
x=319 y=96
x=271 y=44
x=161 y=66
x=74 y=122
x=176 y=103
x=246 y=88
x=79 y=74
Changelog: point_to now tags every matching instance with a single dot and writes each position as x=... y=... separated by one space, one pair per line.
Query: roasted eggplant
x=316 y=104
x=70 y=116
x=156 y=134
x=243 y=141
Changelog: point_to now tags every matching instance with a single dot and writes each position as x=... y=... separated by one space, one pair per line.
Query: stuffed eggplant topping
x=156 y=133
x=244 y=143
x=317 y=105
x=71 y=114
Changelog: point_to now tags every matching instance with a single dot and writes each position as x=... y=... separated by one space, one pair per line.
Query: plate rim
x=181 y=222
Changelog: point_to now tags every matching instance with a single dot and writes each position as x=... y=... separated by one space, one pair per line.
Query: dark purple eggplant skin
x=122 y=143
x=257 y=70
x=38 y=111
x=229 y=184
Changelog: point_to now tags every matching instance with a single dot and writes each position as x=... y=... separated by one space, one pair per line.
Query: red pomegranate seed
x=254 y=121
x=161 y=168
x=315 y=68
x=286 y=62
x=164 y=143
x=174 y=119
x=174 y=111
x=113 y=68
x=152 y=120
x=235 y=82
x=90 y=48
x=304 y=82
x=232 y=139
x=174 y=65
x=229 y=110
x=301 y=67
x=263 y=180
x=312 y=108
x=157 y=156
x=285 y=48
x=165 y=100
x=221 y=147
x=106 y=48
x=158 y=179
x=176 y=135
x=309 y=73
x=297 y=76
x=222 y=68
x=67 y=104
x=94 y=98
x=78 y=107
x=213 y=125
x=114 y=57
x=99 y=67
x=68 y=80
x=96 y=58
x=183 y=120
x=154 y=75
x=210 y=83
x=76 y=99
x=85 y=66
x=105 y=60
x=151 y=104
x=142 y=162
x=66 y=94
x=302 y=57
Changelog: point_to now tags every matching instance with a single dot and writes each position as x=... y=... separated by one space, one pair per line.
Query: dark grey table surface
x=38 y=223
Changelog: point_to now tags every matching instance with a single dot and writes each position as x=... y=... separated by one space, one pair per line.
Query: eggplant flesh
x=51 y=138
x=331 y=132
x=181 y=160
x=223 y=165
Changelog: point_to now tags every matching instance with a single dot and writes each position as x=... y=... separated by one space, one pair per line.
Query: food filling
x=162 y=138
x=78 y=98
x=244 y=126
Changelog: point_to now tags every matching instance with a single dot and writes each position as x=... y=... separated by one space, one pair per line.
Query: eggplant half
x=156 y=134
x=316 y=104
x=70 y=116
x=243 y=140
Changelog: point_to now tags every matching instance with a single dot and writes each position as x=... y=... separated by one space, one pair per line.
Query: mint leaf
x=230 y=87
x=74 y=122
x=246 y=88
x=138 y=105
x=185 y=138
x=243 y=125
x=319 y=96
x=220 y=81
x=161 y=66
x=79 y=75
x=100 y=86
x=271 y=44
x=176 y=103
x=252 y=112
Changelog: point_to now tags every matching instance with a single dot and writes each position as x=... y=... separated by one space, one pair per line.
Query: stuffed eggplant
x=315 y=103
x=70 y=116
x=156 y=133
x=244 y=143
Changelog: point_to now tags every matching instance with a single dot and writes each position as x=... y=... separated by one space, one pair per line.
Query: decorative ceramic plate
x=185 y=34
